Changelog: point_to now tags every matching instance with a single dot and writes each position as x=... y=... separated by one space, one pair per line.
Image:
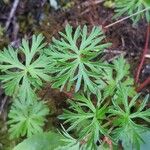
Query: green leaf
x=146 y=137
x=73 y=58
x=114 y=76
x=26 y=117
x=127 y=128
x=128 y=7
x=17 y=74
x=86 y=118
x=42 y=141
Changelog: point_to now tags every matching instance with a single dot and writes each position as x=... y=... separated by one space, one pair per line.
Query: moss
x=5 y=142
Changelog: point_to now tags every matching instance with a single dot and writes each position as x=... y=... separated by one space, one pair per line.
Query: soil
x=36 y=16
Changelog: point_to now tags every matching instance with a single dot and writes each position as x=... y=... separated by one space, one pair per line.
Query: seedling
x=129 y=7
x=90 y=121
x=113 y=76
x=126 y=115
x=19 y=76
x=104 y=104
x=26 y=118
x=73 y=58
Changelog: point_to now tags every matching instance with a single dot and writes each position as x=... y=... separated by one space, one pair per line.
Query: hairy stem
x=143 y=55
x=144 y=84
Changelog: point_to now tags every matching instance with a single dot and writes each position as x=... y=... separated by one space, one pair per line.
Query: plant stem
x=125 y=18
x=109 y=142
x=144 y=84
x=143 y=55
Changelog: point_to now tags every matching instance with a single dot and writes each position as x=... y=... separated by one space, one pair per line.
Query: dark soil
x=36 y=16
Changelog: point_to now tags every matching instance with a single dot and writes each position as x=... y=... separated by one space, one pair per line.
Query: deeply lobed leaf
x=73 y=58
x=86 y=118
x=125 y=118
x=130 y=7
x=115 y=76
x=26 y=118
x=19 y=76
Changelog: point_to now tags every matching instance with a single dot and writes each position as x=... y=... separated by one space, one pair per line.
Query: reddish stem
x=109 y=142
x=144 y=84
x=143 y=55
x=68 y=94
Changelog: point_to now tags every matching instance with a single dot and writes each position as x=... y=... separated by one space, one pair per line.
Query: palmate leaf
x=125 y=118
x=26 y=118
x=86 y=119
x=18 y=76
x=69 y=142
x=115 y=76
x=73 y=58
x=130 y=7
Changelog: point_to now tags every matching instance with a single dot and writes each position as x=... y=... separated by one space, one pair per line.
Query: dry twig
x=12 y=12
x=89 y=3
x=3 y=104
x=125 y=18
